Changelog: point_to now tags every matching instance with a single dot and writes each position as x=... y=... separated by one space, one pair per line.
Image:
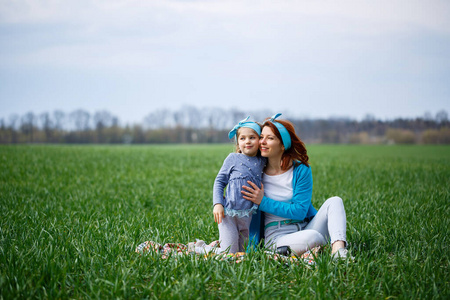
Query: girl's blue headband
x=245 y=123
x=285 y=136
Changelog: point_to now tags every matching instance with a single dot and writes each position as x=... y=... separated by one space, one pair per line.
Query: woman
x=289 y=217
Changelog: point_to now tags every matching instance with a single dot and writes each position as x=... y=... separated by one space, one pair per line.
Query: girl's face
x=269 y=144
x=248 y=141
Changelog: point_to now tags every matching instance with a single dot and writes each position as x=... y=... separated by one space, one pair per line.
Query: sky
x=315 y=59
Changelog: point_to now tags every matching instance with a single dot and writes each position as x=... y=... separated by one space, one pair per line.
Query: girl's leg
x=243 y=225
x=233 y=236
x=229 y=234
x=331 y=221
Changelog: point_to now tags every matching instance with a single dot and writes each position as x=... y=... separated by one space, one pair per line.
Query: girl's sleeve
x=222 y=180
x=298 y=207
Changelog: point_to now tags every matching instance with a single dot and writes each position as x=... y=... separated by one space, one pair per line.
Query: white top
x=278 y=188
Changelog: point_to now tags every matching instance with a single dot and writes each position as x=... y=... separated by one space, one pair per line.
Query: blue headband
x=285 y=136
x=244 y=123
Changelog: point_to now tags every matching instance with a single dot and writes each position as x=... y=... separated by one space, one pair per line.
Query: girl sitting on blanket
x=233 y=213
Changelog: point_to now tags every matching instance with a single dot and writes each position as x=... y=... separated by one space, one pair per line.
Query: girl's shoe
x=342 y=253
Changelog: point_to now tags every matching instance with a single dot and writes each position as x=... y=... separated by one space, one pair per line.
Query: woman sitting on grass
x=289 y=218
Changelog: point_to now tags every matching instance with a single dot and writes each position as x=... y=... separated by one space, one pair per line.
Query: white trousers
x=233 y=236
x=233 y=233
x=328 y=224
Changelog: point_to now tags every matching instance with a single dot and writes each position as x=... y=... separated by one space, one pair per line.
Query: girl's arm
x=297 y=208
x=222 y=180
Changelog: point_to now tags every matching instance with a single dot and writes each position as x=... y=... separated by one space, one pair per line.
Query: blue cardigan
x=299 y=208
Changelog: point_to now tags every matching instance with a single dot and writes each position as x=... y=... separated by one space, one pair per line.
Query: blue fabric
x=236 y=170
x=255 y=229
x=299 y=208
x=285 y=136
x=244 y=123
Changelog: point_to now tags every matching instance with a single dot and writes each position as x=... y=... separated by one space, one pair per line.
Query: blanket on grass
x=176 y=249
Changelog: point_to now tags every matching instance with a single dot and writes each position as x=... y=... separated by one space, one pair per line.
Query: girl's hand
x=253 y=193
x=219 y=213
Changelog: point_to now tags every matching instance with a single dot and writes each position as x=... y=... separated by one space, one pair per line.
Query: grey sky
x=304 y=58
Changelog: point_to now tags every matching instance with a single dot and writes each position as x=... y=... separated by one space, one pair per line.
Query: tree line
x=211 y=125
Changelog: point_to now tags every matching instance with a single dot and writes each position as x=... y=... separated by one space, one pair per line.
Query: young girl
x=233 y=213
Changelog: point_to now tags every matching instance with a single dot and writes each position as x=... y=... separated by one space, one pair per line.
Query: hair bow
x=244 y=123
x=285 y=136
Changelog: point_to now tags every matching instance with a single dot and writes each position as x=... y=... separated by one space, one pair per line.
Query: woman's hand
x=253 y=193
x=219 y=213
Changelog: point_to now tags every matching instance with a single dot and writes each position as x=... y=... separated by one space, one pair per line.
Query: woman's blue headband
x=245 y=123
x=285 y=136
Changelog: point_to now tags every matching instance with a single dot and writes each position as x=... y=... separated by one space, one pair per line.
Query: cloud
x=260 y=18
x=258 y=50
x=131 y=33
x=431 y=14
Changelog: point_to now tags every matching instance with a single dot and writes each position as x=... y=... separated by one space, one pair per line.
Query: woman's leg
x=295 y=236
x=301 y=241
x=331 y=222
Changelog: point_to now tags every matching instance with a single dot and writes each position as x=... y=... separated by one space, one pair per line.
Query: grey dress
x=236 y=170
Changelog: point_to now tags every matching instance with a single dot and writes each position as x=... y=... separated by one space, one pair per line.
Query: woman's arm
x=297 y=208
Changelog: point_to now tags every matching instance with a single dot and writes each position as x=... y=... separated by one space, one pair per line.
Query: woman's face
x=269 y=144
x=248 y=141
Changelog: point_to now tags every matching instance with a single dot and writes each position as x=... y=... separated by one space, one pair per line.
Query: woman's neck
x=274 y=167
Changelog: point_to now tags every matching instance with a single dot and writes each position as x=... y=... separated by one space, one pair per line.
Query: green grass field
x=71 y=217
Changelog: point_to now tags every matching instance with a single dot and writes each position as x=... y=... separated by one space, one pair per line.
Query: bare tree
x=427 y=116
x=13 y=121
x=441 y=116
x=194 y=116
x=210 y=125
x=180 y=118
x=218 y=118
x=115 y=131
x=13 y=127
x=27 y=126
x=4 y=137
x=160 y=119
x=58 y=117
x=80 y=118
x=46 y=125
x=102 y=120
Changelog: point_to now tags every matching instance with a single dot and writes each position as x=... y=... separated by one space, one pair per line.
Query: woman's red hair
x=297 y=153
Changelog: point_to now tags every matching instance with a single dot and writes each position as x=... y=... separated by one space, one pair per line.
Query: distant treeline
x=211 y=125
